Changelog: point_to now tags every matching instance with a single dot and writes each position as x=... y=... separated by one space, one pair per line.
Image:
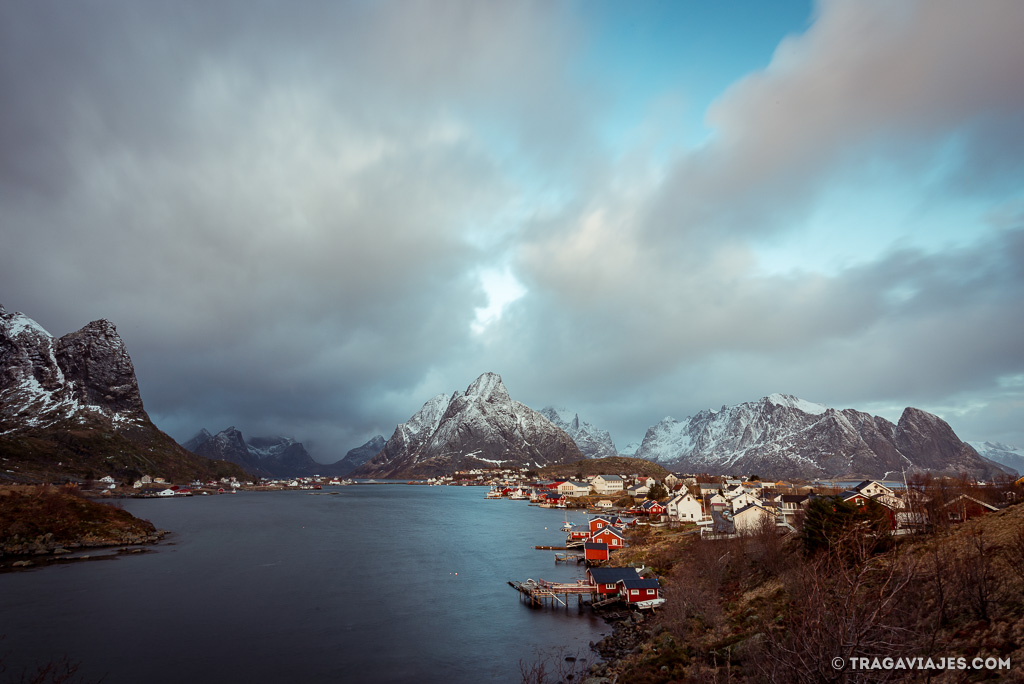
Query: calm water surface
x=377 y=583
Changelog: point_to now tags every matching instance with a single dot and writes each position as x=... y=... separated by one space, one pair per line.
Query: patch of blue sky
x=667 y=61
x=856 y=223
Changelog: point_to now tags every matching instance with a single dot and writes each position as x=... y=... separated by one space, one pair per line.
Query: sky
x=308 y=218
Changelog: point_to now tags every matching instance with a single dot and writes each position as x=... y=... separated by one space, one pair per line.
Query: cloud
x=287 y=209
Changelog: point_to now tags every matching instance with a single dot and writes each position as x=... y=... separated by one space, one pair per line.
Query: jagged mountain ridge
x=481 y=427
x=71 y=407
x=782 y=436
x=593 y=443
x=276 y=456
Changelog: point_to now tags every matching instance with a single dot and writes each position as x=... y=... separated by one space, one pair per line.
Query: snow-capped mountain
x=1006 y=454
x=481 y=427
x=782 y=436
x=261 y=456
x=71 y=406
x=594 y=443
x=82 y=374
x=630 y=450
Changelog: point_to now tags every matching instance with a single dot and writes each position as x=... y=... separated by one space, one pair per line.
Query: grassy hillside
x=614 y=465
x=764 y=608
x=93 y=449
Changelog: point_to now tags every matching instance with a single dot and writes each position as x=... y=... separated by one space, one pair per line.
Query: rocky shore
x=629 y=633
x=45 y=524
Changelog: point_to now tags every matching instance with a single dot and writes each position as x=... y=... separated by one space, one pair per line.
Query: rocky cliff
x=71 y=408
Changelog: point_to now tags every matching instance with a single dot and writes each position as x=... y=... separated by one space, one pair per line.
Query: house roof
x=595 y=546
x=611 y=478
x=612 y=575
x=610 y=528
x=640 y=583
x=794 y=498
x=971 y=498
x=749 y=506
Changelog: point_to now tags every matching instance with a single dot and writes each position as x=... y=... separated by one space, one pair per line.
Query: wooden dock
x=569 y=558
x=541 y=592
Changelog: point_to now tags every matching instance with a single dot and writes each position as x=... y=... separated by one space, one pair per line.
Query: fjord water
x=376 y=583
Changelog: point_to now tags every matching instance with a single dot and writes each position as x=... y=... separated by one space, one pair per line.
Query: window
x=650 y=592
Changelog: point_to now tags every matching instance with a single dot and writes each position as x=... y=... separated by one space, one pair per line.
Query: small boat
x=649 y=603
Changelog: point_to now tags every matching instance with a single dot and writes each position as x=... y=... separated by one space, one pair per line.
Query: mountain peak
x=481 y=426
x=790 y=401
x=488 y=387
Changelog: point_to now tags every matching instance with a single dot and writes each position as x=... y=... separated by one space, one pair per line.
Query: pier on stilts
x=569 y=558
x=541 y=592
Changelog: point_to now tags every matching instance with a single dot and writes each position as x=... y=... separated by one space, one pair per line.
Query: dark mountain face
x=272 y=457
x=481 y=427
x=357 y=457
x=71 y=407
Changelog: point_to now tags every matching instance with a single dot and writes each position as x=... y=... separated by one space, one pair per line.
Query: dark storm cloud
x=275 y=203
x=286 y=208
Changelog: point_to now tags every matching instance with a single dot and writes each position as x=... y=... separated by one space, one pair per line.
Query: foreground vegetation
x=89 y=449
x=768 y=608
x=43 y=519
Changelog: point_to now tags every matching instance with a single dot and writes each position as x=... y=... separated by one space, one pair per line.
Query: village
x=722 y=509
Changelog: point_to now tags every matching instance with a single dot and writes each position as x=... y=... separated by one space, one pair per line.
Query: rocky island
x=44 y=522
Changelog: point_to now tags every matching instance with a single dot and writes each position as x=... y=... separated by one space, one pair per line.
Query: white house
x=872 y=488
x=608 y=484
x=748 y=519
x=570 y=488
x=742 y=500
x=684 y=508
x=637 y=491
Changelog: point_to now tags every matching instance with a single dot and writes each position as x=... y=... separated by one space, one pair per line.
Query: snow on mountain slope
x=782 y=436
x=482 y=426
x=594 y=443
x=1006 y=454
x=82 y=375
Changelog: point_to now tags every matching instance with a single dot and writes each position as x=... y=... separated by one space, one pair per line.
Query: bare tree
x=844 y=603
x=980 y=583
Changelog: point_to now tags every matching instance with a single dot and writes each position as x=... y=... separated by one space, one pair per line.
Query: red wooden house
x=609 y=535
x=606 y=580
x=640 y=591
x=652 y=509
x=599 y=521
x=966 y=507
x=595 y=552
